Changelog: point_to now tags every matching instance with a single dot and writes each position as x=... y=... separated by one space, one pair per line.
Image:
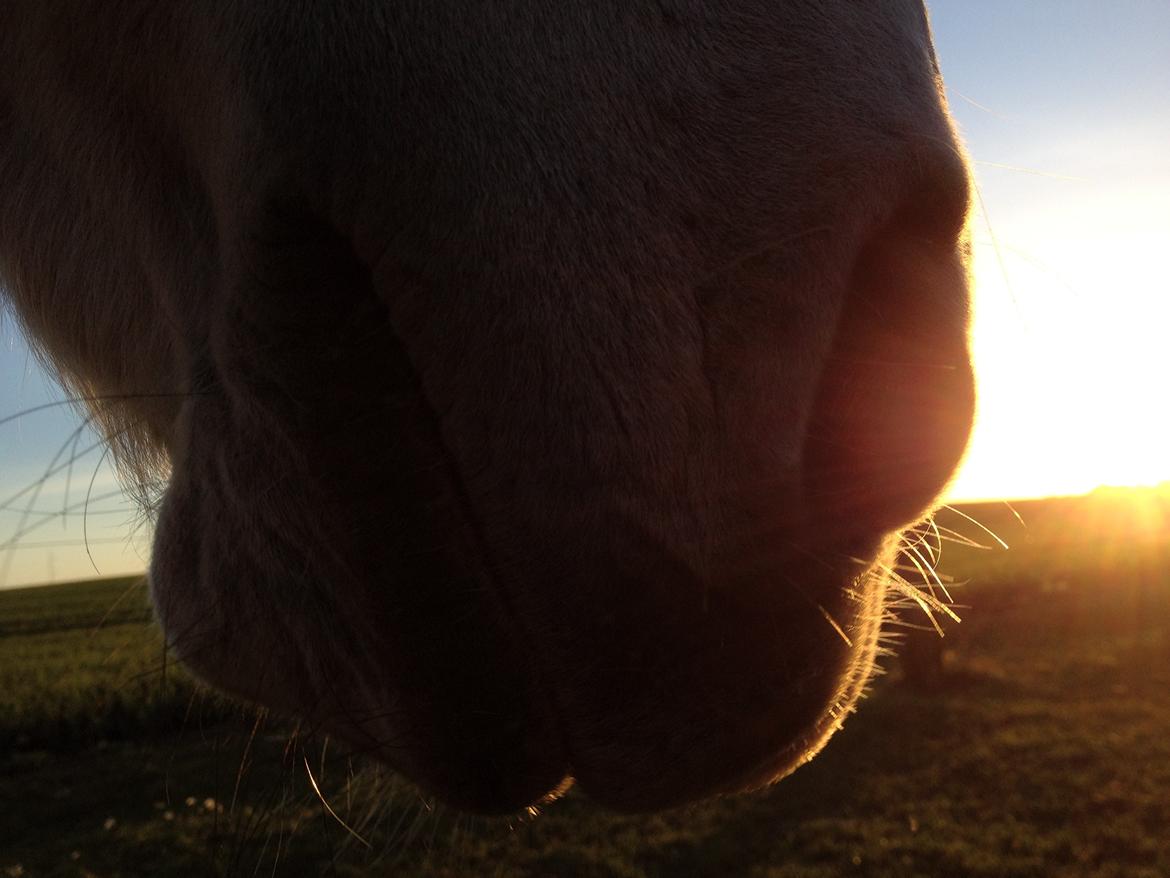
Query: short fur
x=537 y=382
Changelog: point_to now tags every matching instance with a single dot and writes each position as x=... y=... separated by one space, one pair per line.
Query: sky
x=1065 y=109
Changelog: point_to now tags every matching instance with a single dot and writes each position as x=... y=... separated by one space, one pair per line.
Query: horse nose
x=895 y=402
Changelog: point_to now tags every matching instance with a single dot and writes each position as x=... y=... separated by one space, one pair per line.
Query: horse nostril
x=896 y=399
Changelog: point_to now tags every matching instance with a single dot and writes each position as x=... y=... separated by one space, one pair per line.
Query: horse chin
x=494 y=739
x=599 y=652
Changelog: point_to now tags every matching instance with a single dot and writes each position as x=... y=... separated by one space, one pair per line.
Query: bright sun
x=1070 y=334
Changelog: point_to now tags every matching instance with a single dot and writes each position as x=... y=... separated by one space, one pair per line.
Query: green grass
x=83 y=663
x=1046 y=753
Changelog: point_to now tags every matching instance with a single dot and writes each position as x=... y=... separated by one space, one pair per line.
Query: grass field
x=1045 y=751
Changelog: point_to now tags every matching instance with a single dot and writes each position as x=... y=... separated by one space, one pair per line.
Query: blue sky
x=52 y=525
x=1065 y=107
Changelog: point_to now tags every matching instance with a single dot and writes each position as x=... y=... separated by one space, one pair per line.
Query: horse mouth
x=491 y=630
x=648 y=685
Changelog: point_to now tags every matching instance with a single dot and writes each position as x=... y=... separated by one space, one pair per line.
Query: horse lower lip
x=654 y=672
x=692 y=688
